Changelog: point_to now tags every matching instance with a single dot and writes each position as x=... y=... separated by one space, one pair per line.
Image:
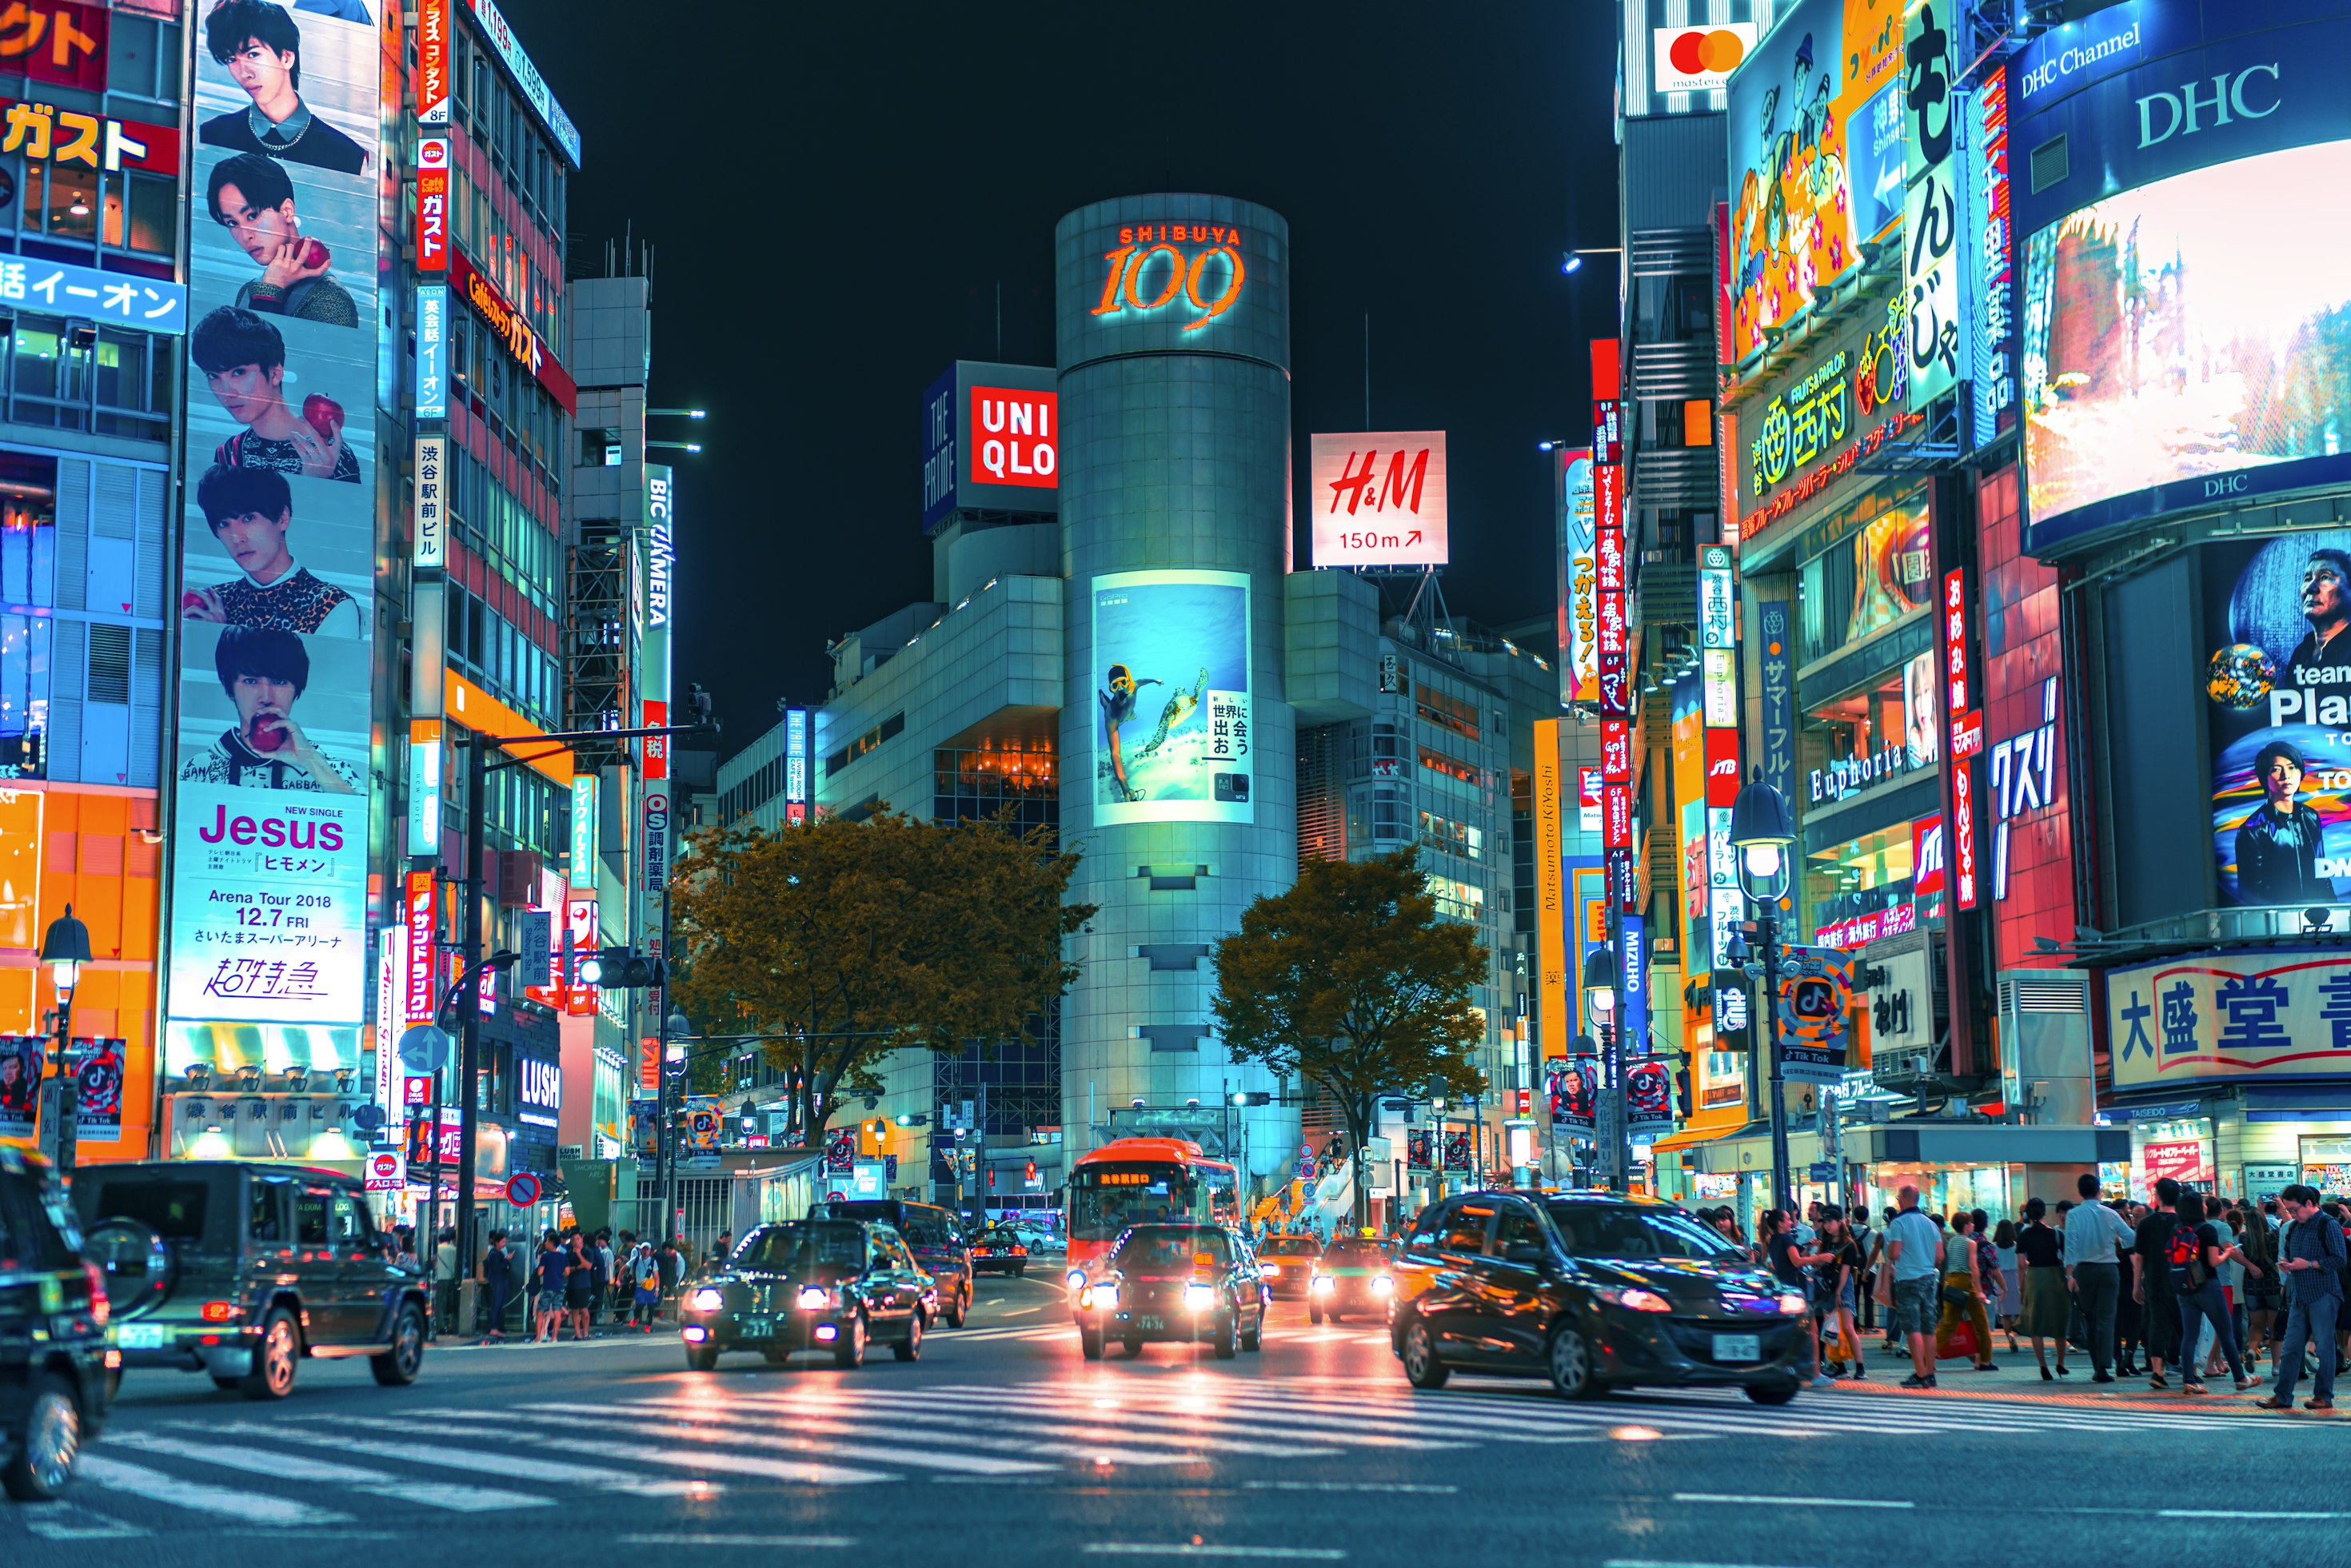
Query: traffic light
x=1251 y=1097
x=621 y=969
x=1682 y=1088
x=991 y=1178
x=1029 y=1176
x=914 y=1119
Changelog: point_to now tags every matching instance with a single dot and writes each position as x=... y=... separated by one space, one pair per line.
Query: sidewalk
x=2019 y=1379
x=609 y=1335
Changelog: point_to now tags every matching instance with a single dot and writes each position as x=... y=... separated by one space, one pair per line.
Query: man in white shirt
x=2093 y=1270
x=1911 y=1243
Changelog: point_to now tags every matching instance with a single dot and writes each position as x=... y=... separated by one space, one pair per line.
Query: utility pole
x=469 y=1030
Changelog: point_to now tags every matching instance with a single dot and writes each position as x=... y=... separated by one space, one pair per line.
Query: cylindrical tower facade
x=1178 y=778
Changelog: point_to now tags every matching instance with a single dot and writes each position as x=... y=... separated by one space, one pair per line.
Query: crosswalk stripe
x=972 y=1464
x=309 y=1471
x=1092 y=1434
x=513 y=1466
x=64 y=1521
x=810 y=1471
x=245 y=1507
x=1184 y=1423
x=961 y=1430
x=1430 y=1419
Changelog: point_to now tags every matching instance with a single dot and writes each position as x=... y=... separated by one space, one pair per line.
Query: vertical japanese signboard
x=796 y=766
x=432 y=203
x=1932 y=254
x=1579 y=588
x=270 y=815
x=432 y=350
x=582 y=877
x=657 y=792
x=1775 y=661
x=418 y=982
x=1718 y=642
x=1991 y=318
x=1957 y=693
x=423 y=786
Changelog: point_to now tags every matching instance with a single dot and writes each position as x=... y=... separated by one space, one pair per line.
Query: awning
x=2297 y=1105
x=1751 y=1151
x=1698 y=1133
x=1986 y=1144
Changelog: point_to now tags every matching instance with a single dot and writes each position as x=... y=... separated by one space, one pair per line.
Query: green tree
x=1352 y=981
x=841 y=941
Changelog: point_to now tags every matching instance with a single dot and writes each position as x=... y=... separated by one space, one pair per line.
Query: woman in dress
x=2041 y=1256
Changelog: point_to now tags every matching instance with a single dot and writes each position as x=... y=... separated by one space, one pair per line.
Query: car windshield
x=1291 y=1246
x=1172 y=1252
x=1597 y=1230
x=1353 y=1254
x=811 y=1250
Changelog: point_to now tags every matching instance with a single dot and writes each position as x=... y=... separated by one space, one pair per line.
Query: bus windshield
x=1106 y=1198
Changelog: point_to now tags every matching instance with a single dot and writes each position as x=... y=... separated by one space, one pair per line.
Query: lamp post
x=1760 y=836
x=1600 y=982
x=65 y=948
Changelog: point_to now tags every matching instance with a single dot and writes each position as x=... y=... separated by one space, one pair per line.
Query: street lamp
x=1600 y=982
x=1759 y=837
x=65 y=948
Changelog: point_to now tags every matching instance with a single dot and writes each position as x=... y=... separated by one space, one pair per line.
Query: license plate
x=1148 y=1321
x=141 y=1336
x=1737 y=1347
x=758 y=1328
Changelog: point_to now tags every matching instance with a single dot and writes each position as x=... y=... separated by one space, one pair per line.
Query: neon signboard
x=1201 y=282
x=521 y=341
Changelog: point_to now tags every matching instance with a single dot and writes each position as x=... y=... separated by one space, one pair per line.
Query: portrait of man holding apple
x=243 y=358
x=265 y=670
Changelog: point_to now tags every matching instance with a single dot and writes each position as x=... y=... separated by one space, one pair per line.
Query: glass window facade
x=1023 y=774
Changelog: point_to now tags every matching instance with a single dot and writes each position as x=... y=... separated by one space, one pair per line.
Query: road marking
x=811 y=1472
x=476 y=1462
x=245 y=1507
x=64 y=1521
x=762 y=1542
x=1653 y=1562
x=1193 y=1549
x=1084 y=1426
x=1346 y=1486
x=2238 y=1514
x=1181 y=1416
x=379 y=1483
x=1792 y=1501
x=814 y=1417
x=567 y=1415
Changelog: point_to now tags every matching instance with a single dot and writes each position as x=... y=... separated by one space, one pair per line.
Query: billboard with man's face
x=1173 y=733
x=2277 y=672
x=271 y=796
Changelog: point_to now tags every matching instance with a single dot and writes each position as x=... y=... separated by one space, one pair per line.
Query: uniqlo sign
x=1013 y=437
x=1616 y=816
x=1616 y=751
x=433 y=205
x=417 y=911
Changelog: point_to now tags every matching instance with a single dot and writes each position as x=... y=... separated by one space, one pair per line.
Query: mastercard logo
x=1702 y=51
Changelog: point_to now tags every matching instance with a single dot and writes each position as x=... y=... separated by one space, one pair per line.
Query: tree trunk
x=1358 y=1110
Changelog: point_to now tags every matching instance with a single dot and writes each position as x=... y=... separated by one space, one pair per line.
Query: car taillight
x=219 y=1312
x=1020 y=1251
x=101 y=1309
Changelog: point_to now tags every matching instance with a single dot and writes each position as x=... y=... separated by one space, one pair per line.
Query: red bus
x=1130 y=1181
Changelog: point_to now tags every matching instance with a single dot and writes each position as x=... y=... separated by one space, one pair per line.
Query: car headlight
x=1099 y=1298
x=1323 y=1283
x=814 y=1298
x=1074 y=1278
x=1792 y=1305
x=1270 y=1269
x=1381 y=1285
x=1633 y=1298
x=707 y=1300
x=1199 y=1298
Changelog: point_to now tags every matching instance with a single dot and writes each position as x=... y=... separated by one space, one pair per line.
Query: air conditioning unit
x=2044 y=1046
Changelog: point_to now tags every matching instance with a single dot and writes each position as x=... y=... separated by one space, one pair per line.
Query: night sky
x=834 y=194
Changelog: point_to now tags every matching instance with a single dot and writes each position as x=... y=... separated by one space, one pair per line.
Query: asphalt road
x=1000 y=1444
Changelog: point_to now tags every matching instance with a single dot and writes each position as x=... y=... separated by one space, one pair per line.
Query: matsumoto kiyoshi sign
x=2271 y=1013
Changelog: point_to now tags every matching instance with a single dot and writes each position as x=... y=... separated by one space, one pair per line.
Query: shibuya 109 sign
x=1193 y=271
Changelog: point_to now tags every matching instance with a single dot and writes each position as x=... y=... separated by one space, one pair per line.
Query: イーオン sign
x=1193 y=268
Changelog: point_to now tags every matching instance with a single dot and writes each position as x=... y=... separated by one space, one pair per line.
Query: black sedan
x=831 y=1285
x=1595 y=1292
x=1184 y=1282
x=1000 y=1251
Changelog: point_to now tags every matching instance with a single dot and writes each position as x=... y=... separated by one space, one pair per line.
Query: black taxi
x=834 y=1285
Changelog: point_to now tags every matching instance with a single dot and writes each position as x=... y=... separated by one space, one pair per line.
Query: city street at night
x=1001 y=1446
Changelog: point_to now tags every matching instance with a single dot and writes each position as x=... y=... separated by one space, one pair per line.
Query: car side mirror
x=1523 y=1252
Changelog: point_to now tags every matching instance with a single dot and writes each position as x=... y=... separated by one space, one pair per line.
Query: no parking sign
x=522 y=1189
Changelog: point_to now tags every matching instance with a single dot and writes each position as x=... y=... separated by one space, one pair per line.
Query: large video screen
x=1174 y=733
x=2278 y=675
x=2195 y=329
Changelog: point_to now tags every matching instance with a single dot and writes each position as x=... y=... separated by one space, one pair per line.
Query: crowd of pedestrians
x=2189 y=1287
x=573 y=1284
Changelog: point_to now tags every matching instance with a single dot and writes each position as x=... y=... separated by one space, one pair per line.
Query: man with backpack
x=2195 y=1255
x=2151 y=1281
x=2312 y=1256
